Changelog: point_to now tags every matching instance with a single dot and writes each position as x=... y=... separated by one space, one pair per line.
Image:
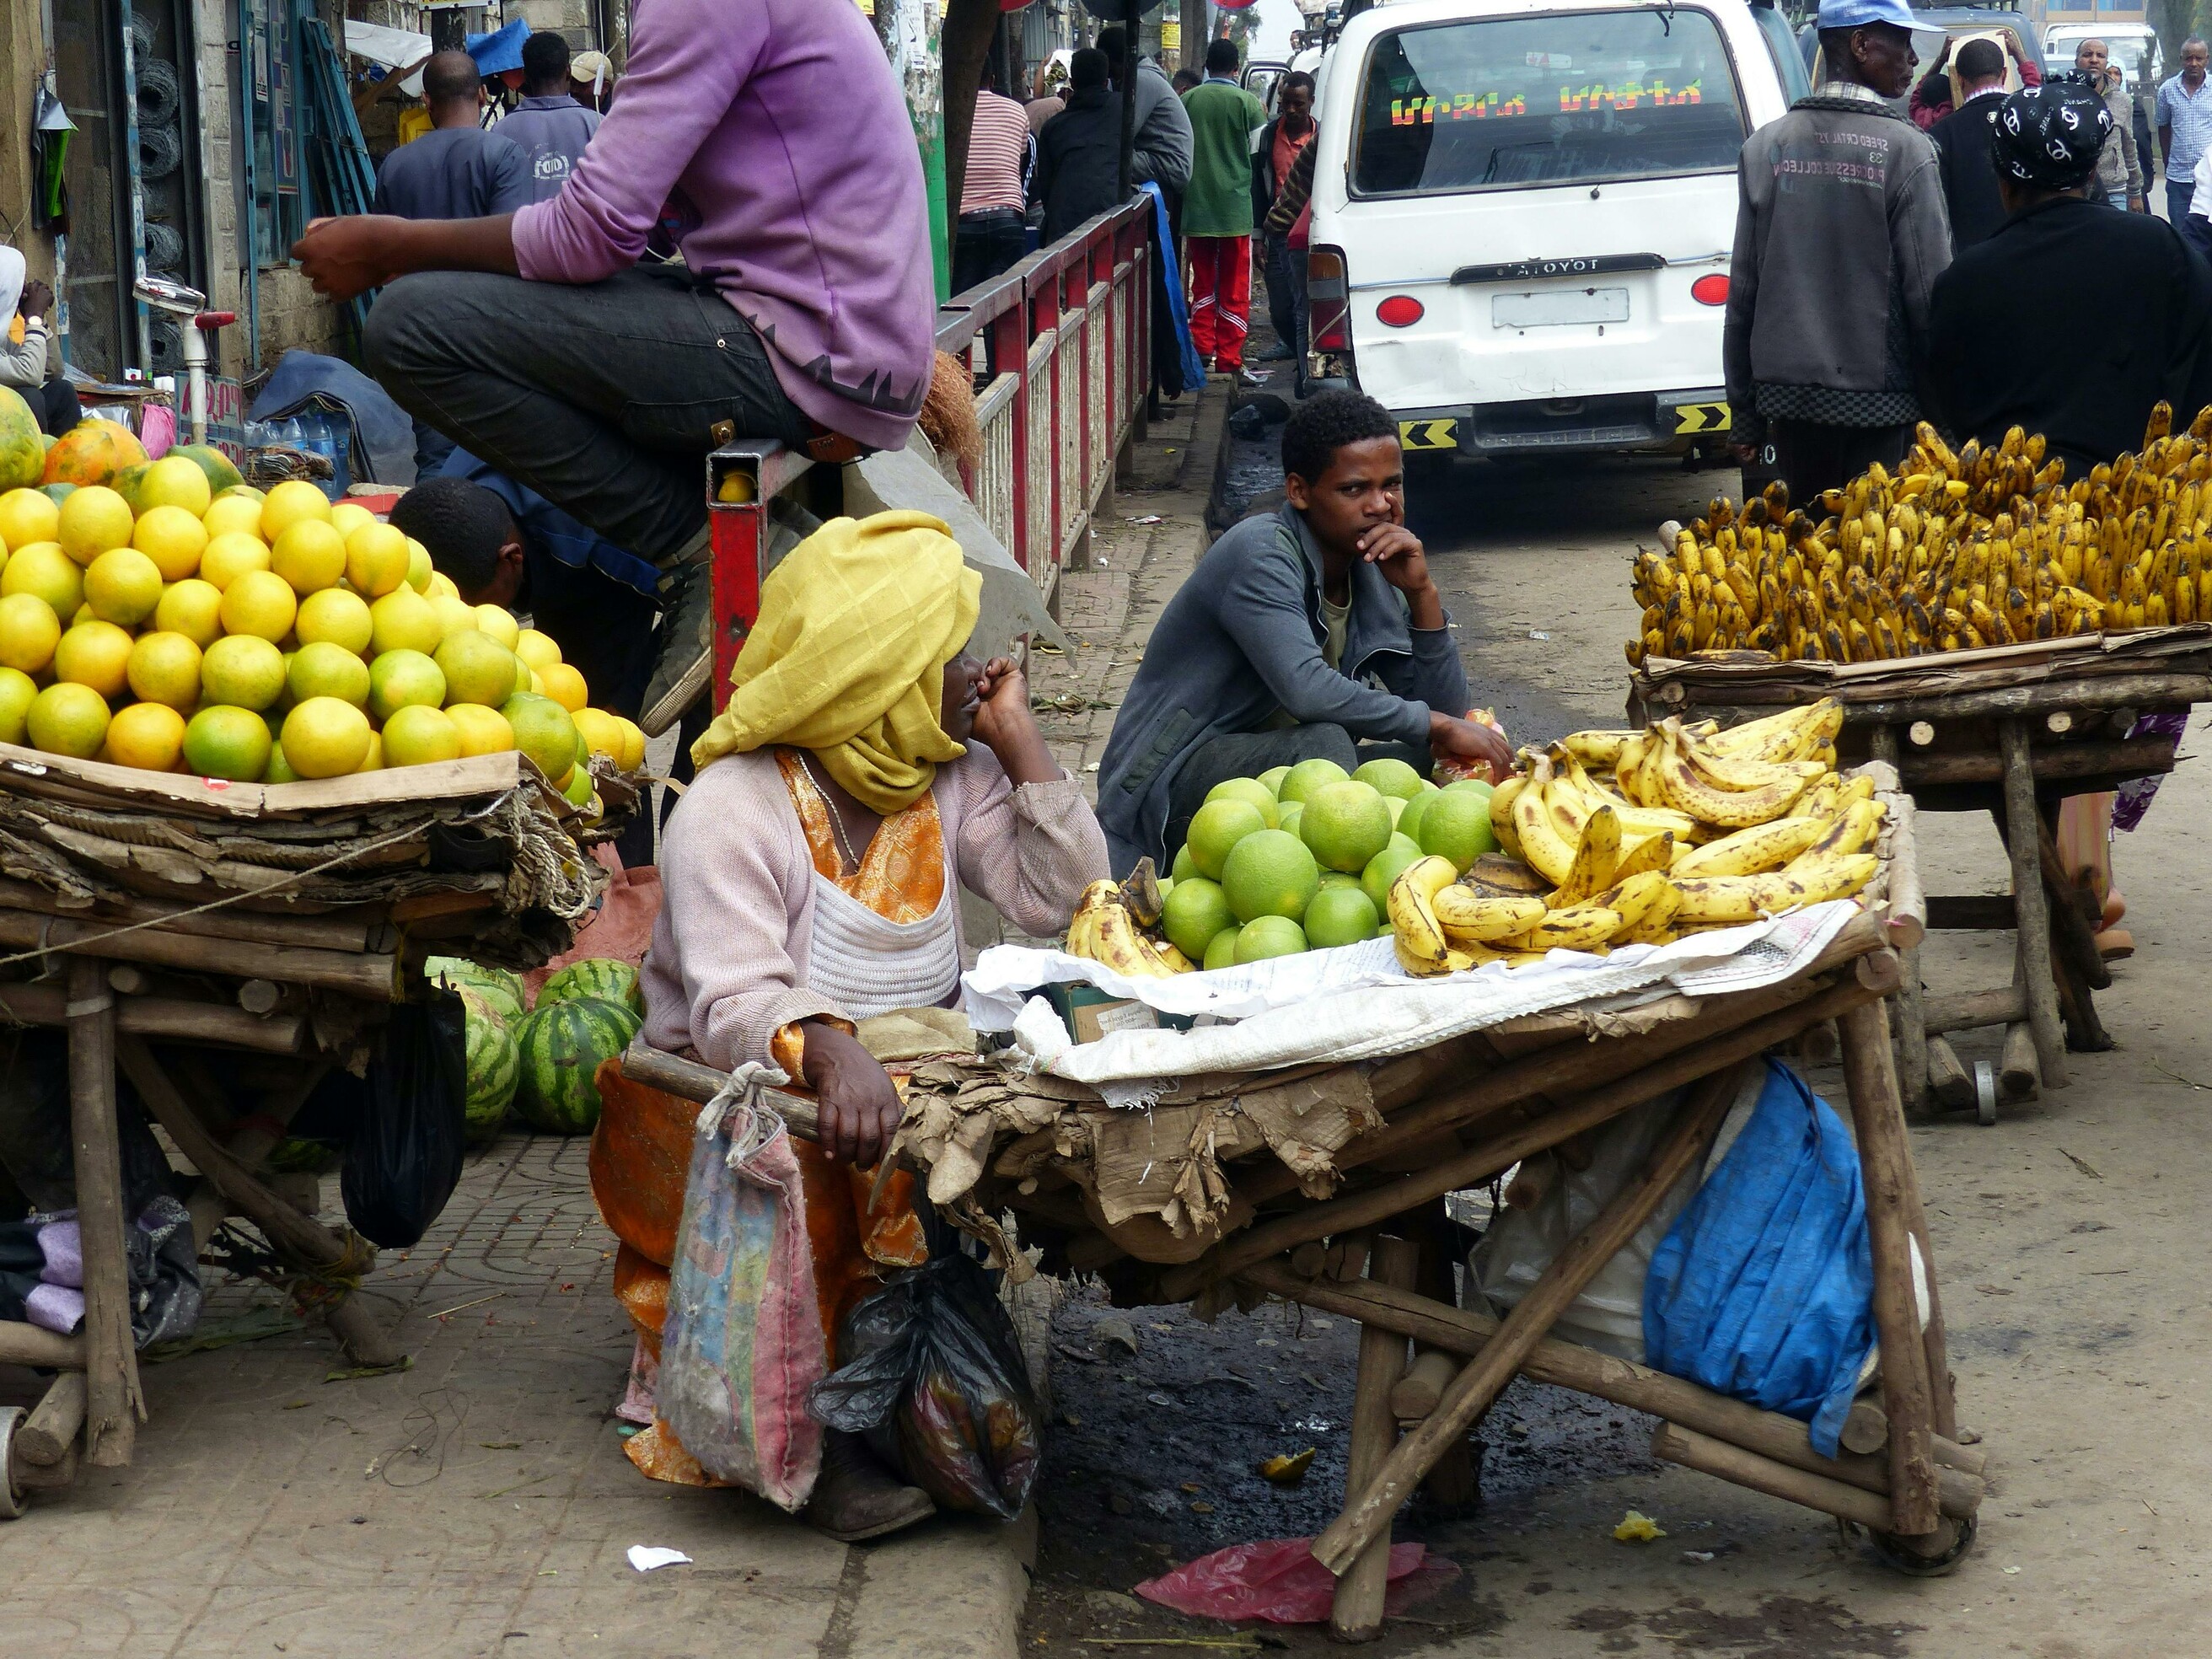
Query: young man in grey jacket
x=1313 y=632
x=1840 y=233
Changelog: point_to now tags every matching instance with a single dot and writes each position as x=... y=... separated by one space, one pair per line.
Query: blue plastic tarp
x=1763 y=1289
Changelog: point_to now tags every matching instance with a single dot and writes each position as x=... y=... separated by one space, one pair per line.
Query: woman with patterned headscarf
x=2064 y=258
x=864 y=771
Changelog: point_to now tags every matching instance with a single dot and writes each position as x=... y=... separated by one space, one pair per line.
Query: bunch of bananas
x=1110 y=926
x=1981 y=547
x=1693 y=829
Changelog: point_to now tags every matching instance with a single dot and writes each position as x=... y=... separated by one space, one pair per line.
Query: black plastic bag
x=404 y=1156
x=934 y=1377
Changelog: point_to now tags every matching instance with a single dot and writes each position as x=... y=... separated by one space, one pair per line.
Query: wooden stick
x=1570 y=1365
x=2017 y=1074
x=1373 y=1204
x=1473 y=1389
x=2072 y=934
x=1908 y=899
x=2030 y=902
x=687 y=1080
x=213 y=1023
x=341 y=931
x=1693 y=1451
x=1886 y=1168
x=1948 y=1081
x=35 y=1345
x=2137 y=757
x=1423 y=1385
x=355 y=974
x=1971 y=1009
x=1356 y=1615
x=48 y=1433
x=112 y=1404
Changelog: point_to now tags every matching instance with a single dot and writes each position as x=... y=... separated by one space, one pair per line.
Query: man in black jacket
x=2061 y=256
x=1078 y=165
x=1964 y=146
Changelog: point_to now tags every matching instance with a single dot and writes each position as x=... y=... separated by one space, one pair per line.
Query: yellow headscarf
x=849 y=656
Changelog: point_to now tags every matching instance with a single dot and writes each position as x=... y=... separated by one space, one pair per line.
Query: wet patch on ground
x=1779 y=1627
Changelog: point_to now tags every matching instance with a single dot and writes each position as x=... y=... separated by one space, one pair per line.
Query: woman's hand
x=1005 y=725
x=37 y=296
x=858 y=1104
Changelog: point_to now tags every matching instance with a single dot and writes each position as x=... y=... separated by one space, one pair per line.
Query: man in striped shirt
x=1000 y=152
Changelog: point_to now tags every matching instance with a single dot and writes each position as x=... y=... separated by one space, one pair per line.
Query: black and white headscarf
x=2051 y=135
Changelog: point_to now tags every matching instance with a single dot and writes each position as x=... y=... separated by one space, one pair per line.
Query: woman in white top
x=24 y=302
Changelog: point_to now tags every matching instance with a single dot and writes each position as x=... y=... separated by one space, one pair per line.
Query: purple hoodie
x=779 y=129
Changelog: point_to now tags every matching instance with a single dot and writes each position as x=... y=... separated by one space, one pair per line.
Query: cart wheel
x=1900 y=1557
x=1985 y=1093
x=11 y=1496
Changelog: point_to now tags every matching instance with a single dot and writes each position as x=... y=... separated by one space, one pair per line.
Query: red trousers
x=1220 y=298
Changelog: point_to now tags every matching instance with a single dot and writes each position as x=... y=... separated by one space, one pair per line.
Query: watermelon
x=595 y=977
x=503 y=990
x=560 y=1047
x=494 y=1066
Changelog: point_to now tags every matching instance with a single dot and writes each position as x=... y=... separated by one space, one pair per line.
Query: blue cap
x=1858 y=14
x=500 y=49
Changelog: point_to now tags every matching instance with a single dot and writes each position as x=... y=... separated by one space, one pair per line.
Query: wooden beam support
x=112 y=1403
x=1356 y=1615
x=2032 y=904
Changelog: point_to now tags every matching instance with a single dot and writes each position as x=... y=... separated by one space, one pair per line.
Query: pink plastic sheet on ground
x=1279 y=1581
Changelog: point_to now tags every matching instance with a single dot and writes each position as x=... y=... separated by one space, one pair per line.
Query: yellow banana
x=1718 y=900
x=1743 y=776
x=1854 y=831
x=1083 y=934
x=1596 y=856
x=1859 y=788
x=1172 y=959
x=1501 y=814
x=1754 y=851
x=1494 y=875
x=1654 y=852
x=1575 y=794
x=1121 y=948
x=1598 y=749
x=1451 y=961
x=1790 y=735
x=1542 y=847
x=1411 y=905
x=1579 y=928
x=1686 y=791
x=1820 y=876
x=1469 y=917
x=1626 y=762
x=1645 y=903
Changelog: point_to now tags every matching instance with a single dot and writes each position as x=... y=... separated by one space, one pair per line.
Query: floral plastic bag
x=743 y=1341
x=1279 y=1581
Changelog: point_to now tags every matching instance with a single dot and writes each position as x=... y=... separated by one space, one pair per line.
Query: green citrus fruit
x=1247 y=789
x=1345 y=825
x=1390 y=777
x=1270 y=873
x=1339 y=915
x=1268 y=936
x=1382 y=869
x=1455 y=825
x=1308 y=775
x=1193 y=914
x=1217 y=827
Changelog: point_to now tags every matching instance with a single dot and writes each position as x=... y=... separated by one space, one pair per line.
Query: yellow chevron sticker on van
x=1700 y=417
x=1428 y=434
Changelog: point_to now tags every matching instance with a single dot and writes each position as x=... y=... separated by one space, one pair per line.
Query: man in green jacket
x=1217 y=209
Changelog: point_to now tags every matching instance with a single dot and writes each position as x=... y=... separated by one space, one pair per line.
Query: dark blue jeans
x=2178 y=194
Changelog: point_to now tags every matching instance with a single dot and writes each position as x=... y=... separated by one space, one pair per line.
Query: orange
x=173 y=538
x=146 y=735
x=95 y=655
x=67 y=719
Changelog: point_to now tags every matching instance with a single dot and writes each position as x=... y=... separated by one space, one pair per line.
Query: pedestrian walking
x=1840 y=233
x=1964 y=146
x=994 y=234
x=550 y=127
x=2184 y=125
x=1217 y=209
x=1282 y=141
x=1163 y=142
x=1078 y=169
x=2119 y=169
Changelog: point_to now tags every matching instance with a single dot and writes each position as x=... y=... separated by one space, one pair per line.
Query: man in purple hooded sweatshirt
x=802 y=309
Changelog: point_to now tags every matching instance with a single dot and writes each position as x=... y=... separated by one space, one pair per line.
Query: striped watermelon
x=494 y=1066
x=560 y=1047
x=594 y=977
x=502 y=989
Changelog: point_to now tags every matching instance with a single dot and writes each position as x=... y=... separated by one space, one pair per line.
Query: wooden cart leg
x=2031 y=905
x=1910 y=1019
x=112 y=1401
x=1357 y=1614
x=1454 y=1482
x=1886 y=1165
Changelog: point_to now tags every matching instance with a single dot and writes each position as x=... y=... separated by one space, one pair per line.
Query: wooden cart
x=1324 y=1185
x=171 y=923
x=2012 y=731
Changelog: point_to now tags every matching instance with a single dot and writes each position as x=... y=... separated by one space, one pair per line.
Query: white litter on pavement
x=646 y=1557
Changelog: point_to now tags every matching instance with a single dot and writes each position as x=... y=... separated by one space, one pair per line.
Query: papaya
x=91 y=452
x=22 y=455
x=220 y=474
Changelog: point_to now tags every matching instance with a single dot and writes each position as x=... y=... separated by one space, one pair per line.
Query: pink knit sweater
x=727 y=967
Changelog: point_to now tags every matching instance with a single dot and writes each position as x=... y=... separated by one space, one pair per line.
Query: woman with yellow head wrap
x=864 y=768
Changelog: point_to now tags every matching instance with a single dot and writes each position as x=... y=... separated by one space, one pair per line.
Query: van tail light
x=1328 y=300
x=1399 y=311
x=1711 y=290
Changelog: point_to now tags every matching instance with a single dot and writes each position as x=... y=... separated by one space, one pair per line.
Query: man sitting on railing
x=1314 y=634
x=804 y=310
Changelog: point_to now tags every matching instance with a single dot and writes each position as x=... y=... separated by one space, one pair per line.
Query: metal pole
x=1130 y=61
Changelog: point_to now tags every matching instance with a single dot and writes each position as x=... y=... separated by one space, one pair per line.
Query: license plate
x=1551 y=307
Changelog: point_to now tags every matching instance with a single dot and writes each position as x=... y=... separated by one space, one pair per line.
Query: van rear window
x=1561 y=98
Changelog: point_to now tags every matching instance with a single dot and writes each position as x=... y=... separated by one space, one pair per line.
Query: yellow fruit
x=27 y=516
x=192 y=607
x=242 y=670
x=454 y=616
x=232 y=515
x=123 y=586
x=601 y=732
x=68 y=719
x=418 y=735
x=17 y=693
x=440 y=583
x=244 y=491
x=535 y=688
x=478 y=668
x=44 y=570
x=419 y=569
x=310 y=555
x=92 y=519
x=336 y=615
x=287 y=504
x=279 y=770
x=173 y=538
x=260 y=604
x=403 y=622
x=321 y=669
x=221 y=741
x=230 y=555
x=537 y=649
x=482 y=731
x=346 y=517
x=547 y=733
x=373 y=761
x=376 y=559
x=326 y=738
x=402 y=679
x=175 y=481
x=95 y=655
x=165 y=668
x=633 y=753
x=146 y=735
x=565 y=685
x=81 y=615
x=29 y=630
x=498 y=621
